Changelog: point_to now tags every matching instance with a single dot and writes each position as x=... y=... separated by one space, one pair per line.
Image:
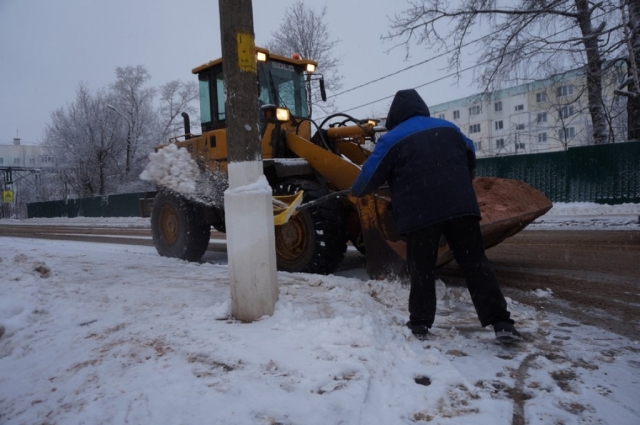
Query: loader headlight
x=261 y=57
x=283 y=114
x=311 y=68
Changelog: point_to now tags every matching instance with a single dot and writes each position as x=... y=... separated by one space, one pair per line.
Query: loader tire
x=314 y=240
x=176 y=229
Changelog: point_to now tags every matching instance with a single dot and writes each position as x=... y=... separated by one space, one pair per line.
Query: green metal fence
x=604 y=173
x=123 y=205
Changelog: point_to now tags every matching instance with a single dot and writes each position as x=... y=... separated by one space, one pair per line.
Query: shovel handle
x=322 y=199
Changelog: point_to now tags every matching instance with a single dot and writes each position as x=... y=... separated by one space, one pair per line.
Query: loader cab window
x=205 y=101
x=279 y=83
x=212 y=98
x=283 y=84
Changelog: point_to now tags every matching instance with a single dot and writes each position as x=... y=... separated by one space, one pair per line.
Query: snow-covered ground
x=589 y=216
x=113 y=334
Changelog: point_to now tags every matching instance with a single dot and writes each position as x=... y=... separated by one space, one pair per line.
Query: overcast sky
x=48 y=46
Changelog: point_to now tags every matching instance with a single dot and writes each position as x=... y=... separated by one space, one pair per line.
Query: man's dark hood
x=406 y=104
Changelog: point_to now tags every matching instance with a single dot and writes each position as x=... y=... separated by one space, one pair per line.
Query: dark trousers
x=465 y=240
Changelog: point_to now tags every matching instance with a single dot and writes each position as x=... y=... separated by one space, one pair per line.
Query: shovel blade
x=285 y=206
x=385 y=252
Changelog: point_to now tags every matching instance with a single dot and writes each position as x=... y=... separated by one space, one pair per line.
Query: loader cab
x=281 y=81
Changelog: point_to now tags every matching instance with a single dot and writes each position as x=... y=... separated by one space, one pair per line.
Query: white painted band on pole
x=244 y=173
x=250 y=243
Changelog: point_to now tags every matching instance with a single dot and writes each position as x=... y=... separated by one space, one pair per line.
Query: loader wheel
x=175 y=227
x=314 y=240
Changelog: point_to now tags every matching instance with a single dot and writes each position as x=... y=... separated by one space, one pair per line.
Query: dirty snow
x=113 y=334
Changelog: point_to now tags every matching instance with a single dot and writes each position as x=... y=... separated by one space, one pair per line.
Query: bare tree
x=135 y=112
x=176 y=97
x=102 y=140
x=83 y=139
x=303 y=30
x=630 y=85
x=527 y=37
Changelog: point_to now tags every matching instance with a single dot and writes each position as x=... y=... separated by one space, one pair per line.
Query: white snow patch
x=540 y=293
x=172 y=167
x=589 y=216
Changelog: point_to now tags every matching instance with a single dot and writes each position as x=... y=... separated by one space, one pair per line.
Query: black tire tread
x=331 y=245
x=194 y=236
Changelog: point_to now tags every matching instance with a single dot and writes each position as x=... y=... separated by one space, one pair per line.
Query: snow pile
x=100 y=333
x=98 y=222
x=592 y=209
x=173 y=168
x=589 y=216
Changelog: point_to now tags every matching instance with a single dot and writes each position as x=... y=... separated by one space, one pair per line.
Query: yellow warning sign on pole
x=246 y=52
x=7 y=197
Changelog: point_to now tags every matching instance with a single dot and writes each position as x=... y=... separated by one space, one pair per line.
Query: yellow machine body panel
x=337 y=170
x=208 y=150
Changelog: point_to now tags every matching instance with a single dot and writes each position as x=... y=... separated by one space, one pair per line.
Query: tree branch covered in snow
x=527 y=39
x=101 y=141
x=303 y=30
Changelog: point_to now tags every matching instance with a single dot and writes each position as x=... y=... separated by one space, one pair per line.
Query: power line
x=412 y=66
x=431 y=59
x=421 y=85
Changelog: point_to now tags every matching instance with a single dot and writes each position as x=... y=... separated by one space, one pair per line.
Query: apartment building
x=17 y=155
x=541 y=116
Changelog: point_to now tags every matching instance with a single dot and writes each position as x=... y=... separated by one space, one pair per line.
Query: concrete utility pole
x=247 y=202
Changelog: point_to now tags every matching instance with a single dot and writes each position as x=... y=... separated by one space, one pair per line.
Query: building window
x=567 y=133
x=474 y=128
x=499 y=125
x=564 y=91
x=499 y=143
x=32 y=161
x=520 y=127
x=565 y=111
x=542 y=117
x=520 y=146
x=478 y=146
x=46 y=159
x=542 y=137
x=519 y=107
x=441 y=116
x=497 y=106
x=541 y=97
x=16 y=161
x=456 y=115
x=1 y=160
x=475 y=110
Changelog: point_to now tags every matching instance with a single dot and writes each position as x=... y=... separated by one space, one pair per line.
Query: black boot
x=418 y=330
x=506 y=332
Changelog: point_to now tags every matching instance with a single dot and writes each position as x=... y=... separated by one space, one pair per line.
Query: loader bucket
x=506 y=206
x=386 y=254
x=285 y=206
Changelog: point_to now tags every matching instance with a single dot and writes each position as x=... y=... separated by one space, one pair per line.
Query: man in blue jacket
x=428 y=164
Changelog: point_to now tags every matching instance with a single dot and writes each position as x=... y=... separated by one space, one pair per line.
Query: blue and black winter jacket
x=427 y=162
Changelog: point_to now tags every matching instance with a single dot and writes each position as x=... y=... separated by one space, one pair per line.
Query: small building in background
x=25 y=156
x=21 y=170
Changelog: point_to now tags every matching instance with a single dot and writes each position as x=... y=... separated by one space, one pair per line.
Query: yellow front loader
x=310 y=167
